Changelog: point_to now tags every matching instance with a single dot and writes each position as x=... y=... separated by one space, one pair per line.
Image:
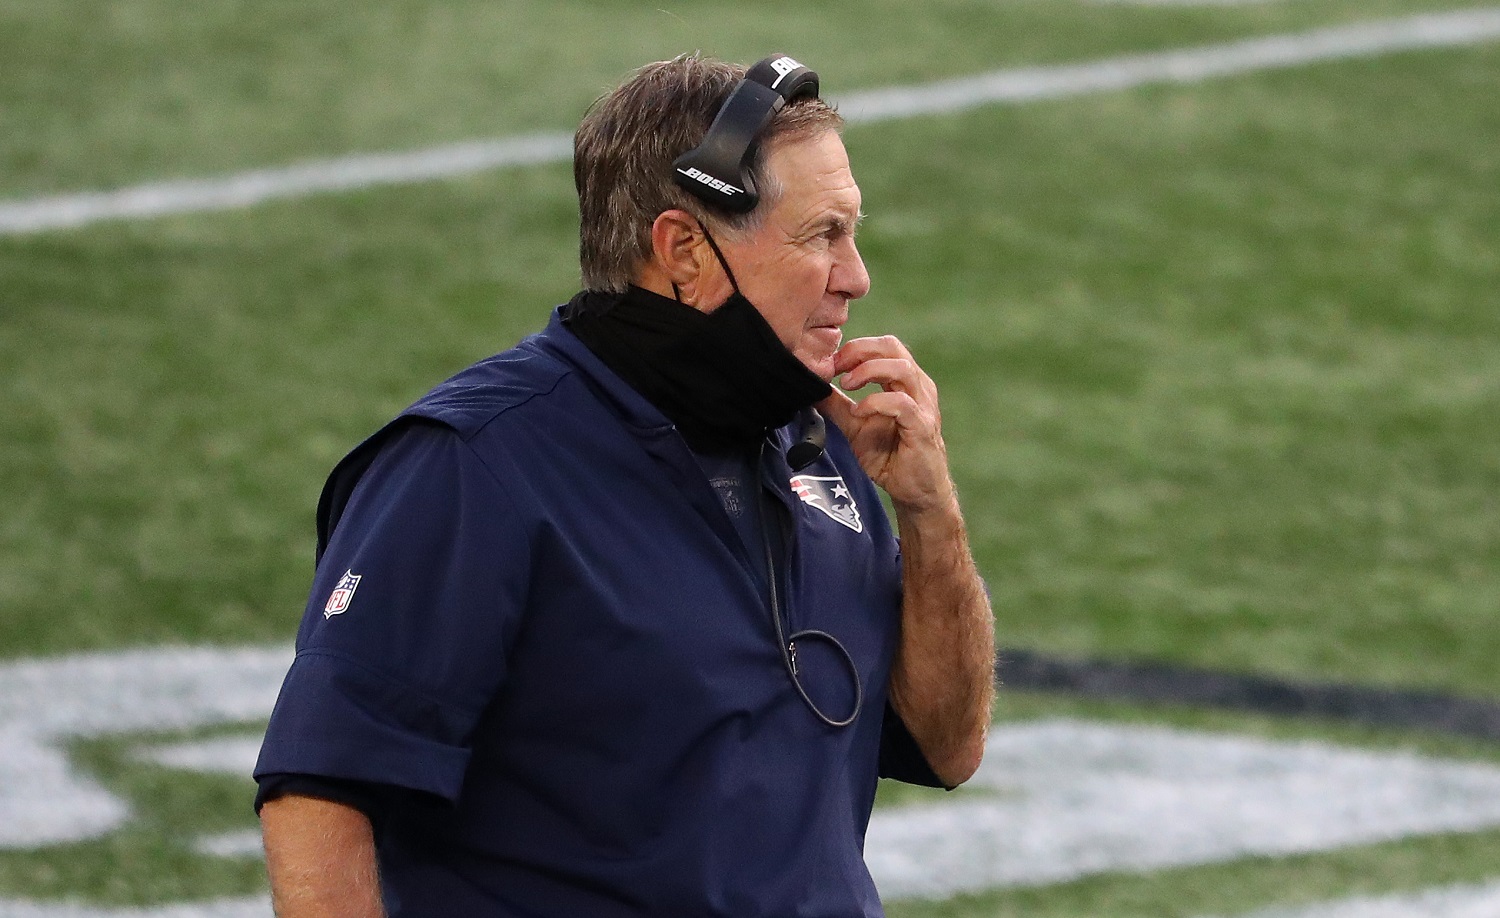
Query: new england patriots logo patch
x=831 y=496
x=343 y=591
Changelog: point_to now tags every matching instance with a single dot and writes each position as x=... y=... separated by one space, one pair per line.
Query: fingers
x=859 y=350
x=898 y=406
x=884 y=362
x=886 y=372
x=848 y=414
x=895 y=431
x=887 y=363
x=874 y=346
x=839 y=408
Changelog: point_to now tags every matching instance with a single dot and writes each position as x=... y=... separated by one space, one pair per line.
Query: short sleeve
x=901 y=759
x=414 y=606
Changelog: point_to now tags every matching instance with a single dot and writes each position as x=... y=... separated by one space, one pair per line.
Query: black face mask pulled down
x=723 y=378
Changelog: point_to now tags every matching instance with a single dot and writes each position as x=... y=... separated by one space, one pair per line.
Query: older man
x=611 y=624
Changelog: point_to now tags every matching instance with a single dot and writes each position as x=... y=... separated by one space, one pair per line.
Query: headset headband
x=717 y=171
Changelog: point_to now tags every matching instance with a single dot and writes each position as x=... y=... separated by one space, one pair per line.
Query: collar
x=723 y=377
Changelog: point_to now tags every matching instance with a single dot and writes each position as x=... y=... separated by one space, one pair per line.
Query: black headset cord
x=787 y=645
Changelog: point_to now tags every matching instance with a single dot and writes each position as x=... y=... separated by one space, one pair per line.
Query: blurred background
x=1220 y=357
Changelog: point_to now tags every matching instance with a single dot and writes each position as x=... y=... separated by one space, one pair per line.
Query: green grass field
x=1220 y=361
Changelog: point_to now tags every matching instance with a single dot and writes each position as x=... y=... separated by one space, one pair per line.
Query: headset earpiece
x=717 y=171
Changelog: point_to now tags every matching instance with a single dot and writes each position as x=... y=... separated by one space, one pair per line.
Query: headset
x=717 y=171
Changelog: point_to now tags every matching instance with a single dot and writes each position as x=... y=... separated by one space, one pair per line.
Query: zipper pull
x=791 y=649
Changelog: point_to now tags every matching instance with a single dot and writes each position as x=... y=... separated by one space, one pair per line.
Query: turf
x=1219 y=362
x=97 y=93
x=1226 y=361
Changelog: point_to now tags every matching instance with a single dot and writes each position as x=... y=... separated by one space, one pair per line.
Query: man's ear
x=677 y=252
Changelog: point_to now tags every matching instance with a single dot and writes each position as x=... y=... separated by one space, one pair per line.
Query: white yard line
x=1056 y=800
x=1181 y=2
x=244 y=189
x=227 y=755
x=1190 y=65
x=240 y=843
x=1442 y=902
x=1072 y=799
x=248 y=907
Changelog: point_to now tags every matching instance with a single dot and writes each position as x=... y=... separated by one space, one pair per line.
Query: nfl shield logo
x=338 y=600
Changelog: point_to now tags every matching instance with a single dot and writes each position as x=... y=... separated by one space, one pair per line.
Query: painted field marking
x=1443 y=902
x=1190 y=65
x=1183 y=2
x=240 y=843
x=45 y=703
x=1064 y=799
x=1078 y=798
x=1465 y=901
x=245 y=189
x=245 y=907
x=226 y=755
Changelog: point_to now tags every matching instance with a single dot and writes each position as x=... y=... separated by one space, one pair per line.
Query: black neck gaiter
x=723 y=378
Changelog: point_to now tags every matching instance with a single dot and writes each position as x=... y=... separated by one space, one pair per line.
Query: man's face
x=801 y=268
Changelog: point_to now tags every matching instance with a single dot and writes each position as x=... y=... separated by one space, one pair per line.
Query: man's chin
x=820 y=357
x=821 y=367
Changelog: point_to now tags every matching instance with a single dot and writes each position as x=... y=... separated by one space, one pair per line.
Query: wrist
x=937 y=512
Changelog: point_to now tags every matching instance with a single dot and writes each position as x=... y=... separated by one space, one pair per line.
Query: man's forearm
x=320 y=857
x=943 y=681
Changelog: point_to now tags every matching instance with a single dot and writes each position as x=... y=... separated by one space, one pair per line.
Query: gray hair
x=624 y=150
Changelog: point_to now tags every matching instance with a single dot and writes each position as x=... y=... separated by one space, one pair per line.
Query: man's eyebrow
x=842 y=223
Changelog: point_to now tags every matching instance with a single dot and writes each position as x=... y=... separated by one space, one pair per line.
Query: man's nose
x=849 y=277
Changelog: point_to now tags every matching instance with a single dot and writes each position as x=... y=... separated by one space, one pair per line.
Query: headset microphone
x=717 y=171
x=812 y=439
